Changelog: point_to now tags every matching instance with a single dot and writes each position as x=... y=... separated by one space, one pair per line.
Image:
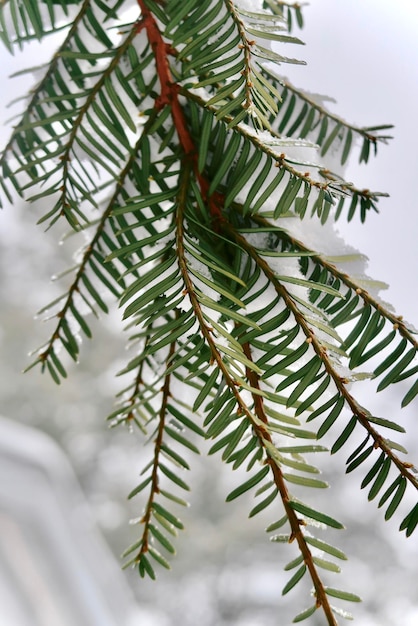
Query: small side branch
x=258 y=419
x=397 y=321
x=51 y=69
x=154 y=489
x=339 y=381
x=76 y=284
x=294 y=521
x=366 y=133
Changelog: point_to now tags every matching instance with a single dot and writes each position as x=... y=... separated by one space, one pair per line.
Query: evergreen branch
x=239 y=90
x=155 y=488
x=65 y=157
x=366 y=133
x=205 y=328
x=259 y=419
x=258 y=103
x=245 y=131
x=333 y=187
x=295 y=523
x=75 y=286
x=333 y=184
x=300 y=115
x=43 y=83
x=190 y=290
x=127 y=408
x=340 y=382
x=330 y=177
x=245 y=46
x=211 y=306
x=399 y=325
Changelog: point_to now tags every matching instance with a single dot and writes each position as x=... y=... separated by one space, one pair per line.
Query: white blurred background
x=364 y=53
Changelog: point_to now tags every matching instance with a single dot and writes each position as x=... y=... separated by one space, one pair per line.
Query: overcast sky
x=364 y=53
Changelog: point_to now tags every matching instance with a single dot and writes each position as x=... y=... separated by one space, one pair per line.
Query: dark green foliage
x=173 y=149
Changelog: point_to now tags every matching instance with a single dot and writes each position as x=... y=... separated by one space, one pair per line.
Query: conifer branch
x=245 y=45
x=190 y=244
x=155 y=480
x=257 y=420
x=398 y=323
x=366 y=133
x=340 y=382
x=190 y=291
x=76 y=287
x=52 y=66
x=296 y=524
x=335 y=186
x=128 y=411
x=65 y=157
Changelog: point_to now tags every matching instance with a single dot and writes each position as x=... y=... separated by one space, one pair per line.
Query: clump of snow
x=253 y=6
x=321 y=238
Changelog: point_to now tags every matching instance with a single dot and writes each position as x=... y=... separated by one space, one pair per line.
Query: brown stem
x=339 y=381
x=169 y=96
x=146 y=519
x=256 y=420
x=294 y=521
x=169 y=90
